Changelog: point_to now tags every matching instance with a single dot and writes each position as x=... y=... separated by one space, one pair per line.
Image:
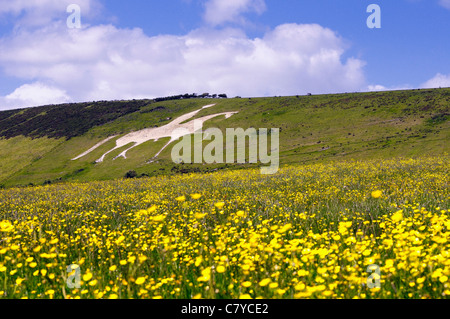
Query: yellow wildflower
x=180 y=198
x=377 y=194
x=398 y=216
x=140 y=281
x=219 y=205
x=6 y=226
x=220 y=269
x=265 y=282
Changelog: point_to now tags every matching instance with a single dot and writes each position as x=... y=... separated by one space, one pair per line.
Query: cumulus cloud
x=439 y=80
x=105 y=62
x=219 y=12
x=34 y=94
x=445 y=3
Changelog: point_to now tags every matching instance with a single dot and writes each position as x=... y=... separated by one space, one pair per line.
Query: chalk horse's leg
x=101 y=159
x=160 y=151
x=124 y=153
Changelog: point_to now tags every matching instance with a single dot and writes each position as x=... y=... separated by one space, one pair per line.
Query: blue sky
x=142 y=48
x=411 y=47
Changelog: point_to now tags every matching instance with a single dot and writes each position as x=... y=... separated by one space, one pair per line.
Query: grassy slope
x=313 y=128
x=19 y=152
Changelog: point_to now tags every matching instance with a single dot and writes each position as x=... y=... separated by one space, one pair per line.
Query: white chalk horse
x=174 y=130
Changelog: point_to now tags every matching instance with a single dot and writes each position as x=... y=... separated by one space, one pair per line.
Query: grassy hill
x=37 y=144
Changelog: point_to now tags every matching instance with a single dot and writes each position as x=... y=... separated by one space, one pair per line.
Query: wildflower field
x=308 y=231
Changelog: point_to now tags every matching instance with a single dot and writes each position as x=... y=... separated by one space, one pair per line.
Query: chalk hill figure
x=175 y=129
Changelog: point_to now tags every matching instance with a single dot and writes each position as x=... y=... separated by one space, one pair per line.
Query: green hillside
x=38 y=144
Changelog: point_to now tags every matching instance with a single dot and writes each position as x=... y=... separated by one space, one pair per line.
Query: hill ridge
x=41 y=142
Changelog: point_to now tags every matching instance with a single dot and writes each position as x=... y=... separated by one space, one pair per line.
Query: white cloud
x=376 y=87
x=445 y=3
x=439 y=80
x=219 y=12
x=104 y=62
x=32 y=95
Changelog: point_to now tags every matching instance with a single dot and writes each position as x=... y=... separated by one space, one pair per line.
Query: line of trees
x=191 y=96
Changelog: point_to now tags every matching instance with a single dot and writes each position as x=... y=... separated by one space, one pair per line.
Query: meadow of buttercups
x=308 y=231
